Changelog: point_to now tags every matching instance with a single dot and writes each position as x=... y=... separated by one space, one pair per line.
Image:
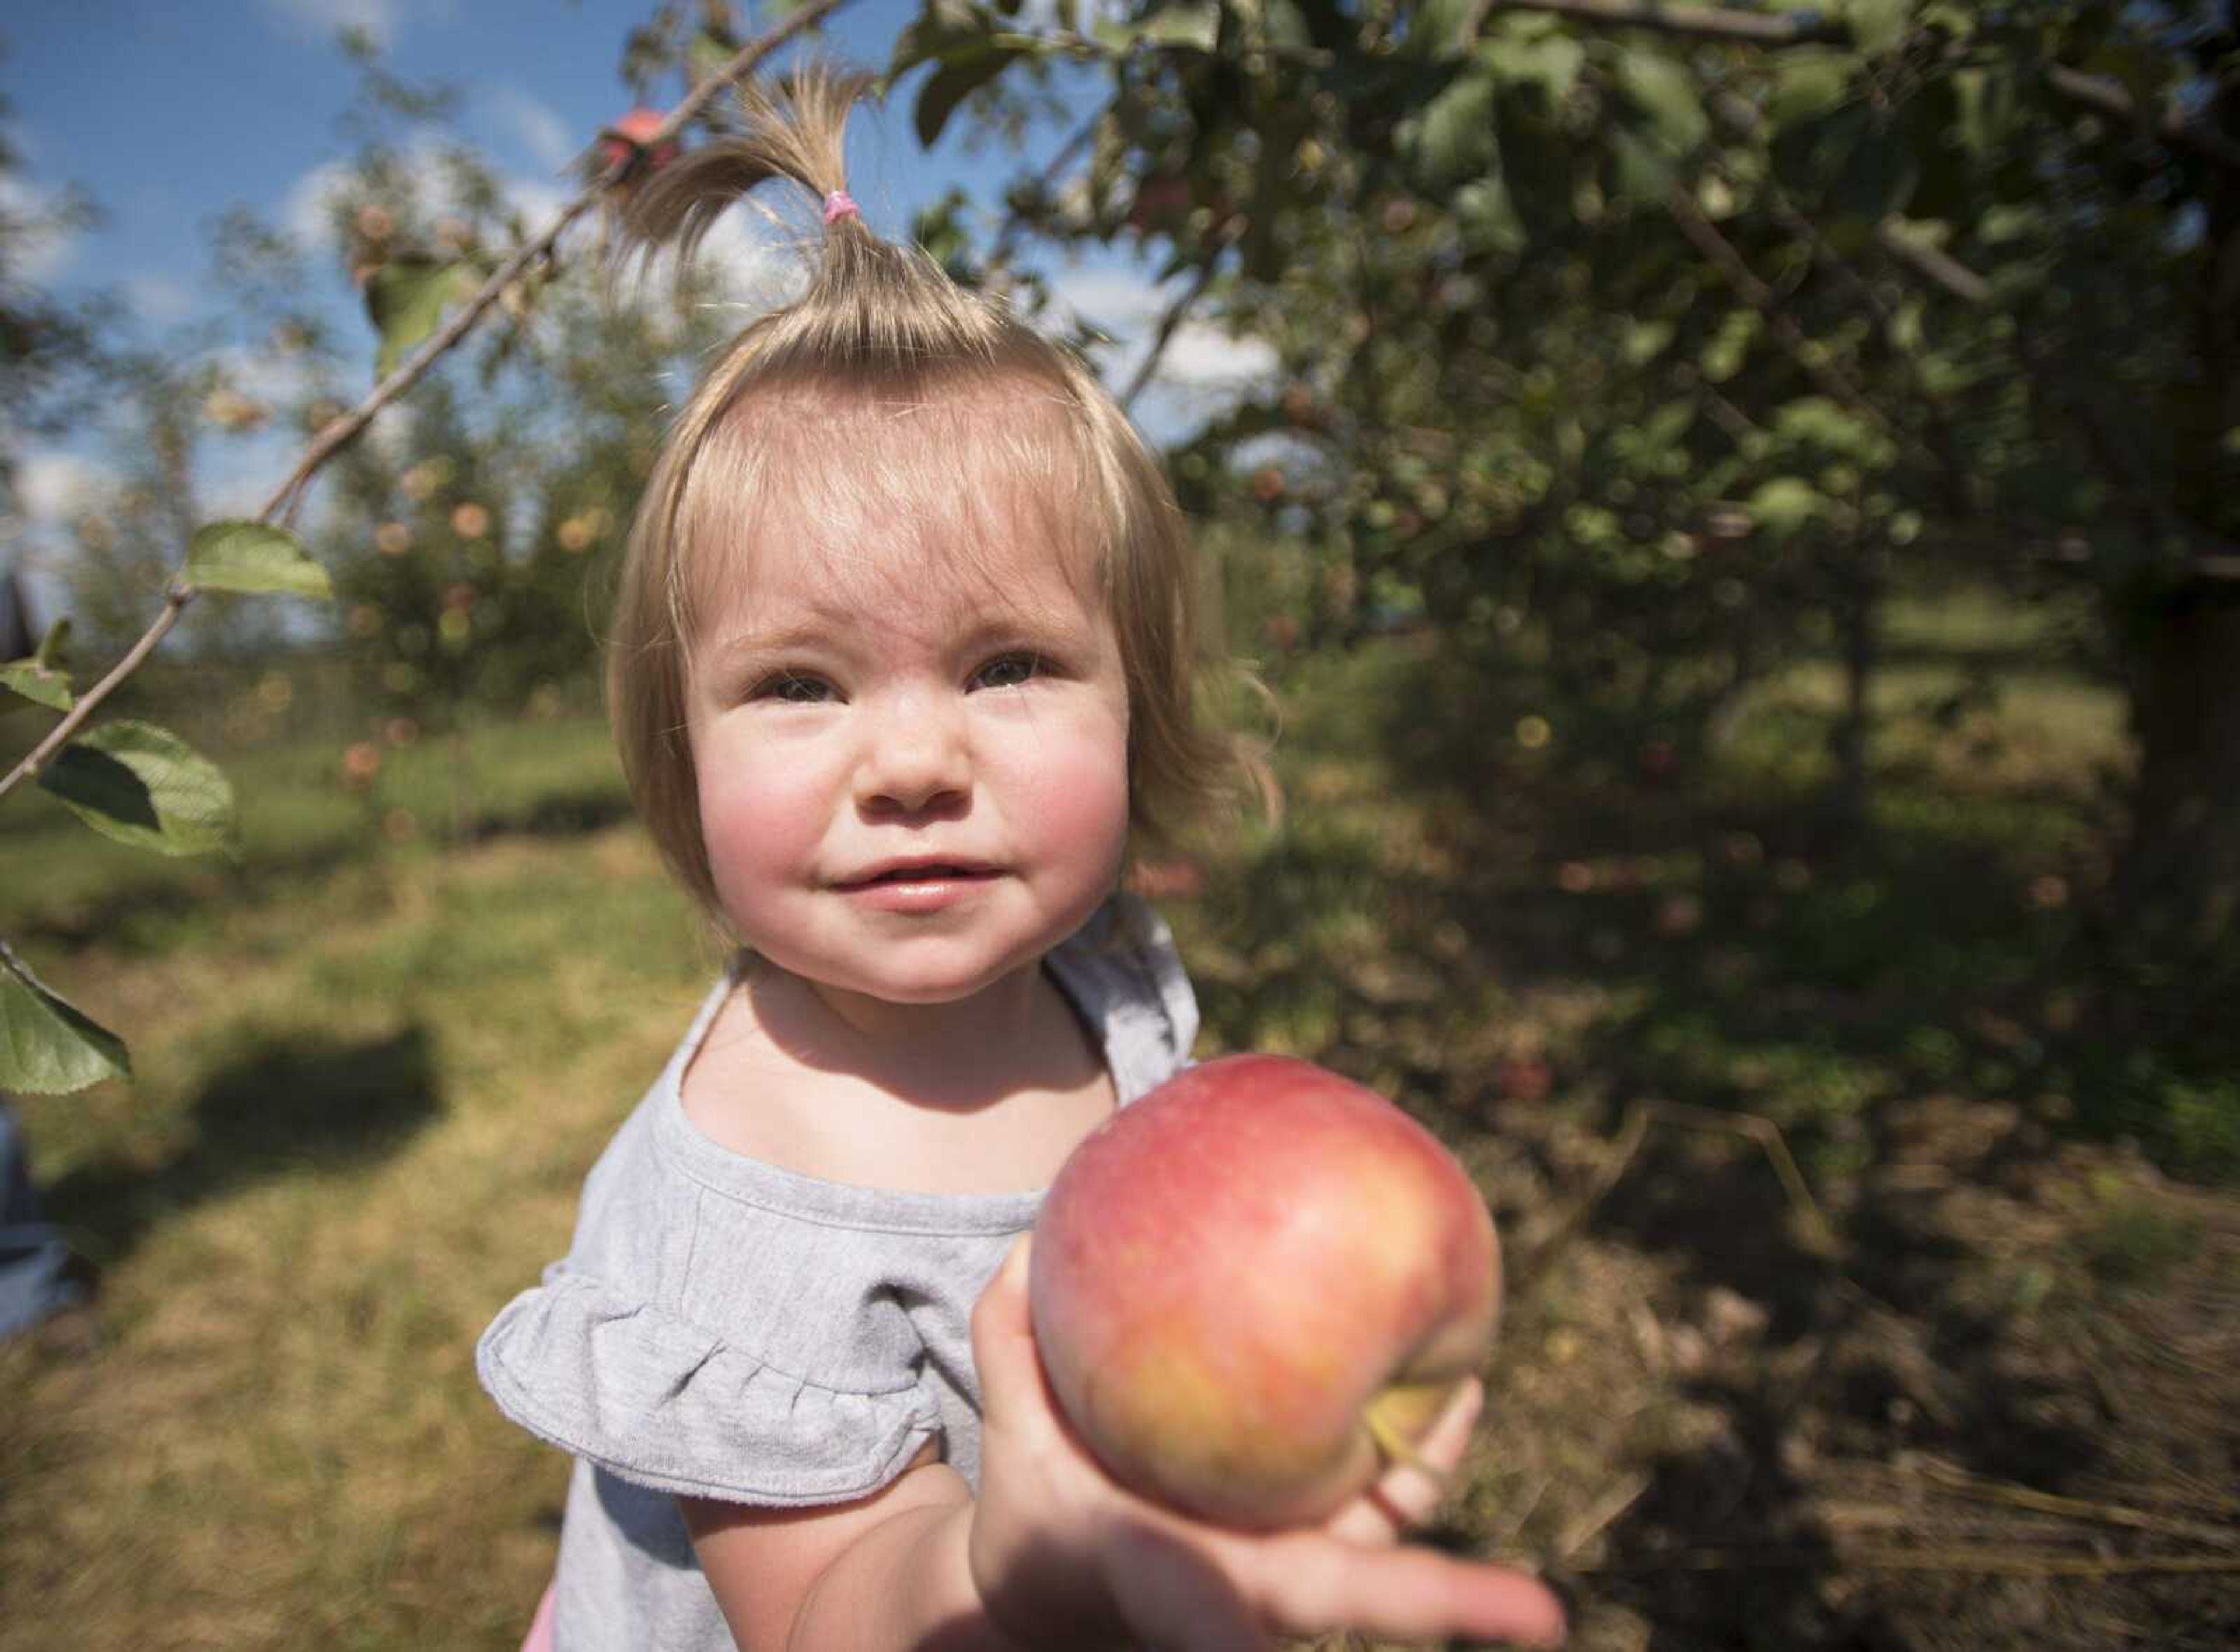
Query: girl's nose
x=916 y=758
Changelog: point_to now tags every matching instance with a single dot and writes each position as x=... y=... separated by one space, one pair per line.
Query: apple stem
x=1390 y=1435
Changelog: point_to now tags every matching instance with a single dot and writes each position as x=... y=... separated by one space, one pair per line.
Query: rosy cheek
x=1080 y=798
x=759 y=831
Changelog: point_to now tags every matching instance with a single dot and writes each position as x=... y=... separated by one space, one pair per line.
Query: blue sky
x=167 y=112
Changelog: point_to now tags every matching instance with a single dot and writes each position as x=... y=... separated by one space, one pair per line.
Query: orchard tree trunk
x=2177 y=879
x=2177 y=906
x=1858 y=616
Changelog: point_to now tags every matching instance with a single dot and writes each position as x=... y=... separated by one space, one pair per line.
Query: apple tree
x=1654 y=340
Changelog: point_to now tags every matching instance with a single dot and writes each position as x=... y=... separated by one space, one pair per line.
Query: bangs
x=885 y=491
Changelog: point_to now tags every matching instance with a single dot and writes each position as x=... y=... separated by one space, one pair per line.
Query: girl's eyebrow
x=780 y=639
x=1002 y=625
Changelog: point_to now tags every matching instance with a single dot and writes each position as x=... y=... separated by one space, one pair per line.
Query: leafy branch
x=345 y=429
x=142 y=785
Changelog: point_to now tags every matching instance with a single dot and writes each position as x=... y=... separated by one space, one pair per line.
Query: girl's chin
x=928 y=983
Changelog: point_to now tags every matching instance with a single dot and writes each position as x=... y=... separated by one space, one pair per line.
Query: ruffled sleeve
x=663 y=1403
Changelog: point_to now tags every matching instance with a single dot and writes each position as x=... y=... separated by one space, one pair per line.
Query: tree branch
x=2105 y=96
x=1801 y=28
x=339 y=434
x=1807 y=28
x=1015 y=223
x=1933 y=265
x=1168 y=324
x=1832 y=384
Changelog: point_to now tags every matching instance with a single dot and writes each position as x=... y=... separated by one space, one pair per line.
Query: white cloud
x=307 y=209
x=54 y=486
x=390 y=433
x=537 y=202
x=1129 y=308
x=324 y=19
x=1202 y=355
x=547 y=137
x=159 y=298
x=268 y=376
x=750 y=267
x=1042 y=15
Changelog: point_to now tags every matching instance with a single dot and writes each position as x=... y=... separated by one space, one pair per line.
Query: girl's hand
x=1065 y=1557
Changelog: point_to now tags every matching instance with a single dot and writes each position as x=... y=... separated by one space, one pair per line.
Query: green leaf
x=1876 y=25
x=1785 y=504
x=41 y=678
x=48 y=1047
x=407 y=298
x=1807 y=84
x=1435 y=27
x=709 y=52
x=1488 y=217
x=54 y=645
x=1641 y=170
x=1988 y=108
x=957 y=78
x=1192 y=25
x=1729 y=347
x=144 y=786
x=1821 y=423
x=940 y=29
x=1668 y=93
x=1452 y=140
x=41 y=687
x=1549 y=62
x=1644 y=340
x=249 y=557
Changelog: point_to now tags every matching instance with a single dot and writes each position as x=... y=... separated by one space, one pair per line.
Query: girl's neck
x=959 y=1054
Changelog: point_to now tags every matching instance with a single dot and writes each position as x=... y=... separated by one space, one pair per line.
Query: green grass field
x=373 y=1060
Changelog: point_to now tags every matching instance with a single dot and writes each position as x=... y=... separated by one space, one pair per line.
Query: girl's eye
x=1008 y=671
x=790 y=688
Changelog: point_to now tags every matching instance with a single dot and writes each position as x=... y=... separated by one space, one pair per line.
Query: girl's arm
x=1055 y=1555
x=887 y=1571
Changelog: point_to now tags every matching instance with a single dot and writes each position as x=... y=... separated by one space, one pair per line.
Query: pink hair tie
x=838 y=206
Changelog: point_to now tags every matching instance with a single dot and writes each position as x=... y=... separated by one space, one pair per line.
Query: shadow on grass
x=142 y=915
x=573 y=814
x=288 y=1105
x=1742 y=951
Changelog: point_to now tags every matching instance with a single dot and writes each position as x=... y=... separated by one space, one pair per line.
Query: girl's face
x=913 y=775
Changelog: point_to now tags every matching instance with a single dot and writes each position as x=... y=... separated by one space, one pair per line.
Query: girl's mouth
x=920 y=872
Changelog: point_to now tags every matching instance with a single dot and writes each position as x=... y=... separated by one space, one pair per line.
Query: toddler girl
x=904 y=664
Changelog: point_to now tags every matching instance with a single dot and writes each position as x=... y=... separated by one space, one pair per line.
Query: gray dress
x=724 y=1328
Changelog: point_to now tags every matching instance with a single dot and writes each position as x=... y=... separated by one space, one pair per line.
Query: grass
x=373 y=1061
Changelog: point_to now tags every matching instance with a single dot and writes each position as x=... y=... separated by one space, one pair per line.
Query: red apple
x=1256 y=1286
x=629 y=133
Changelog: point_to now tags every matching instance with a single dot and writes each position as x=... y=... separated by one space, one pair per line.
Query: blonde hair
x=882 y=331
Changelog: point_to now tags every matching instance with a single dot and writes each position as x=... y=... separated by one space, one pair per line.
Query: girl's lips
x=919 y=889
x=913 y=872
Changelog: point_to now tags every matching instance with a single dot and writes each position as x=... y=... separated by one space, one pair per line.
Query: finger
x=1003 y=1331
x=1405 y=1495
x=1310 y=1585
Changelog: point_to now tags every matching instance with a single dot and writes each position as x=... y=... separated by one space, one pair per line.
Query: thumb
x=1002 y=1326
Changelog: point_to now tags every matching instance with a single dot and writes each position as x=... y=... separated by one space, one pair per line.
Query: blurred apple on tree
x=630 y=134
